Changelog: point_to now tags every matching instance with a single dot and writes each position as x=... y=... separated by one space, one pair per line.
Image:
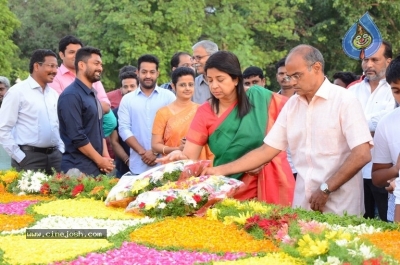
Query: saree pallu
x=174 y=127
x=230 y=137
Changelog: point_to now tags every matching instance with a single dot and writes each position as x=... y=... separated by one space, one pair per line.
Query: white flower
x=23 y=184
x=342 y=242
x=162 y=205
x=113 y=226
x=366 y=252
x=330 y=261
x=156 y=176
x=169 y=168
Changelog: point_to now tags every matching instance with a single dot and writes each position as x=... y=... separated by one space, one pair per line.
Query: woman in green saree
x=234 y=122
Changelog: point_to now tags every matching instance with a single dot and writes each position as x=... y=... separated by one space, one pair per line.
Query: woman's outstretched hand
x=173 y=156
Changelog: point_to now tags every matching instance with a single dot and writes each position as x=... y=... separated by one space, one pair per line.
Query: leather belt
x=43 y=150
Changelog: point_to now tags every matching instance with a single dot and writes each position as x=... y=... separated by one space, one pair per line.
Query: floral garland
x=200 y=233
x=137 y=254
x=81 y=208
x=14 y=222
x=113 y=226
x=18 y=208
x=10 y=197
x=46 y=250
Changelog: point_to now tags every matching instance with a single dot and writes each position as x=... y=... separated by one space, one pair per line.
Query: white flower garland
x=60 y=222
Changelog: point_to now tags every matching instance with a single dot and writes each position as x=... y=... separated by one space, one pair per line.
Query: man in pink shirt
x=325 y=128
x=66 y=73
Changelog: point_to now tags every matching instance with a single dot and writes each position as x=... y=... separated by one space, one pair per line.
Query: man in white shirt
x=137 y=111
x=386 y=155
x=376 y=98
x=201 y=52
x=29 y=128
x=5 y=160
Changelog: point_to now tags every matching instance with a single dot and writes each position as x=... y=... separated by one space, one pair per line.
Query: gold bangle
x=163 y=150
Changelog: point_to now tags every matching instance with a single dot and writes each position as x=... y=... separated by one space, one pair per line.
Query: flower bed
x=230 y=232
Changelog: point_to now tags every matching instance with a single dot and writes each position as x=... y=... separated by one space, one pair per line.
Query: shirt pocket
x=327 y=142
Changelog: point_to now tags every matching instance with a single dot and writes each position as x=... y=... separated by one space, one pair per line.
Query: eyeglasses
x=295 y=77
x=198 y=57
x=52 y=66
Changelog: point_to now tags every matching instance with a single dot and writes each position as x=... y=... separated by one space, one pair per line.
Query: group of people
x=309 y=145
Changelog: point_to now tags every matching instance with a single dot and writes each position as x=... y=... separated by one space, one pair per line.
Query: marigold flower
x=200 y=233
x=14 y=222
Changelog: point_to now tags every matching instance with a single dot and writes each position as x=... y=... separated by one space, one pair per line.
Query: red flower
x=252 y=221
x=197 y=198
x=45 y=189
x=142 y=205
x=169 y=199
x=77 y=189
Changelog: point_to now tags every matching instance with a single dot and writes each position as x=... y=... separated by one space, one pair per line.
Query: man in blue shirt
x=80 y=114
x=137 y=111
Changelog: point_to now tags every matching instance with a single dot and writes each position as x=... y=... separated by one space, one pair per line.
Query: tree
x=8 y=23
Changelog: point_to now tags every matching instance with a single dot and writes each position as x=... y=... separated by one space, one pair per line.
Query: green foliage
x=8 y=49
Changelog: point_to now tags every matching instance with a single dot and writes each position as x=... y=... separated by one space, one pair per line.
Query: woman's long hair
x=227 y=62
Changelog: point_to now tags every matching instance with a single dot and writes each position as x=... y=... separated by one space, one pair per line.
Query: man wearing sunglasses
x=29 y=127
x=201 y=52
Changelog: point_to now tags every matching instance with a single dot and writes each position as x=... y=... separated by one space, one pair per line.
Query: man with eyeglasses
x=201 y=52
x=325 y=128
x=29 y=127
x=179 y=59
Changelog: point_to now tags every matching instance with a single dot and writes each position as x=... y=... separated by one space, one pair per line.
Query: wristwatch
x=324 y=188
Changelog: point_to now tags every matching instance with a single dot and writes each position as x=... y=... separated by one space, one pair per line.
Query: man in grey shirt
x=201 y=52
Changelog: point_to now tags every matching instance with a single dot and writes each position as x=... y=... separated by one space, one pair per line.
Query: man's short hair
x=388 y=53
x=67 y=40
x=83 y=54
x=176 y=59
x=253 y=71
x=280 y=63
x=126 y=68
x=181 y=71
x=4 y=80
x=310 y=55
x=38 y=56
x=127 y=75
x=393 y=71
x=148 y=58
x=346 y=77
x=208 y=45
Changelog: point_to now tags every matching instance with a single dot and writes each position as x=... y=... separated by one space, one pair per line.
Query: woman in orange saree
x=172 y=122
x=235 y=122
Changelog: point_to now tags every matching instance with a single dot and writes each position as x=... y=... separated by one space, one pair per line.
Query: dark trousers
x=37 y=161
x=375 y=197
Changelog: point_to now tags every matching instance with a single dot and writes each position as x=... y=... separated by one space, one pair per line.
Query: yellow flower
x=271 y=258
x=81 y=208
x=228 y=220
x=337 y=235
x=44 y=251
x=310 y=248
x=258 y=207
x=150 y=206
x=243 y=217
x=9 y=176
x=231 y=202
x=212 y=214
x=139 y=185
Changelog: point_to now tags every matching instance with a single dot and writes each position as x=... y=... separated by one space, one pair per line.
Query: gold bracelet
x=163 y=150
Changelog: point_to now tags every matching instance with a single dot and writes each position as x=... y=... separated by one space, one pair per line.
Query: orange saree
x=174 y=127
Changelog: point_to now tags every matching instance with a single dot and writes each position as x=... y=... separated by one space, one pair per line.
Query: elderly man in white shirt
x=376 y=98
x=29 y=129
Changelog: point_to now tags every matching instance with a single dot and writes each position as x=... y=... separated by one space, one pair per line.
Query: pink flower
x=132 y=253
x=17 y=208
x=311 y=227
x=142 y=205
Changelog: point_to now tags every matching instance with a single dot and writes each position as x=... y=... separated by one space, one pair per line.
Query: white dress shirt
x=136 y=115
x=29 y=117
x=387 y=150
x=375 y=105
